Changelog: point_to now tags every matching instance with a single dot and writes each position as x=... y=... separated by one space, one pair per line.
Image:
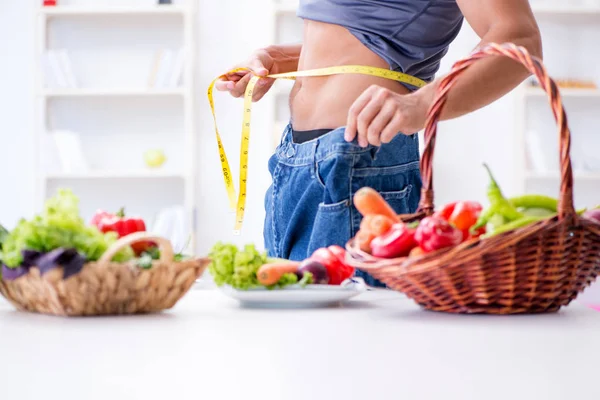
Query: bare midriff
x=323 y=102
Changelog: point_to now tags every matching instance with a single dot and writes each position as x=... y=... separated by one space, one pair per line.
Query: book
x=65 y=63
x=166 y=63
x=177 y=69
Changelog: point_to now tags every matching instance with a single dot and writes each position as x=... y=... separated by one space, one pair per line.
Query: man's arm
x=495 y=21
x=379 y=114
x=270 y=60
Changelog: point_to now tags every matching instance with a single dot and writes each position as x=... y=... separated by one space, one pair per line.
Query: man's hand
x=379 y=114
x=271 y=60
x=260 y=63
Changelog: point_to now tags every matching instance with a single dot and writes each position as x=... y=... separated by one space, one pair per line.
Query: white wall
x=16 y=110
x=226 y=37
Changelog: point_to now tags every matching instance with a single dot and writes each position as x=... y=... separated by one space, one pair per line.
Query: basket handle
x=536 y=67
x=164 y=245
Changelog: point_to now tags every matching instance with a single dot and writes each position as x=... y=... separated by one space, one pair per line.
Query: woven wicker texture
x=107 y=288
x=535 y=269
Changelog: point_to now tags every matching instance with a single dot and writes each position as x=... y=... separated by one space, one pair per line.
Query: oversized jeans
x=309 y=204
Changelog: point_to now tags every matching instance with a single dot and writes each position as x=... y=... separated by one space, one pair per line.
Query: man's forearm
x=486 y=80
x=285 y=56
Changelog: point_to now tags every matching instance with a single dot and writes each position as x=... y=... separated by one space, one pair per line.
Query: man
x=348 y=131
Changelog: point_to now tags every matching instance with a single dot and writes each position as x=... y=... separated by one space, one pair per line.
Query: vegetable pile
x=58 y=236
x=383 y=235
x=247 y=268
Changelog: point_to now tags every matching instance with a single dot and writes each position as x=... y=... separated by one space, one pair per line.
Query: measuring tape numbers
x=239 y=204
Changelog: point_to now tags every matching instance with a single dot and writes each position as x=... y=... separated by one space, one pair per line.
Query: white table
x=379 y=346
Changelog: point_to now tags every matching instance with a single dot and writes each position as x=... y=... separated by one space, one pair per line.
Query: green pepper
x=498 y=204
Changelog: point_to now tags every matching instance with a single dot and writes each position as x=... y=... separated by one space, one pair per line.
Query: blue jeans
x=309 y=204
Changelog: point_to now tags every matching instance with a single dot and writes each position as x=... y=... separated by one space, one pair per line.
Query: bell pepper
x=435 y=233
x=463 y=215
x=333 y=258
x=123 y=226
x=397 y=242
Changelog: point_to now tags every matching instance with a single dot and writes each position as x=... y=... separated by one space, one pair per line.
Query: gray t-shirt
x=412 y=36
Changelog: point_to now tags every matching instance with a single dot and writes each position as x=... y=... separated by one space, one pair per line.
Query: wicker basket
x=105 y=287
x=535 y=269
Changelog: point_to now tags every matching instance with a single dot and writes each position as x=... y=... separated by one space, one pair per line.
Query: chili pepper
x=498 y=204
x=519 y=223
x=337 y=269
x=436 y=233
x=123 y=226
x=398 y=242
x=534 y=201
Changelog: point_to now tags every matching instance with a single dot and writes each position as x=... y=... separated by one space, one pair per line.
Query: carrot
x=416 y=252
x=380 y=224
x=364 y=240
x=365 y=224
x=270 y=274
x=369 y=202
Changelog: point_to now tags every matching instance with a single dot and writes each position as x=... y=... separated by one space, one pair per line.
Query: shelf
x=555 y=176
x=286 y=7
x=143 y=174
x=566 y=11
x=116 y=92
x=79 y=11
x=537 y=92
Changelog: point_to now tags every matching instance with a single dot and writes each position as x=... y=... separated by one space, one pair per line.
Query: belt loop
x=315 y=165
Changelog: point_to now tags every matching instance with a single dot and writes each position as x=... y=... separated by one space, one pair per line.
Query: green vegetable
x=235 y=267
x=519 y=223
x=145 y=261
x=238 y=267
x=499 y=204
x=3 y=235
x=59 y=225
x=537 y=212
x=529 y=201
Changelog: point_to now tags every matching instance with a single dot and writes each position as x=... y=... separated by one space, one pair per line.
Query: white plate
x=296 y=296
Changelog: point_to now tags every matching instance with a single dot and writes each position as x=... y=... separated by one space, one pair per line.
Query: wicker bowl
x=105 y=287
x=535 y=269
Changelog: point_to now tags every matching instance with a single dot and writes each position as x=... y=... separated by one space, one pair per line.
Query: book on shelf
x=167 y=68
x=58 y=69
x=69 y=151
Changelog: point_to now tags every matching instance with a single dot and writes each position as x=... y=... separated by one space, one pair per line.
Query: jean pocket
x=332 y=226
x=398 y=199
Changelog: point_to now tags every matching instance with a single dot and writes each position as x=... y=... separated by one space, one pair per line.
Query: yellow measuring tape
x=238 y=205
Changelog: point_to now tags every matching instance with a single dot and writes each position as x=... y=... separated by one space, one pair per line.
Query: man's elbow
x=534 y=43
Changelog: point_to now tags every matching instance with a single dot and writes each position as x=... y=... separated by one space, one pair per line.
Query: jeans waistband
x=317 y=149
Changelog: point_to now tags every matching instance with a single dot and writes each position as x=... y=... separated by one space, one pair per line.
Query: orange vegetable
x=380 y=224
x=270 y=274
x=369 y=202
x=416 y=252
x=364 y=240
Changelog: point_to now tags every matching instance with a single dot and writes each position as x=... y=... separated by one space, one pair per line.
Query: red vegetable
x=123 y=225
x=593 y=215
x=462 y=215
x=398 y=242
x=337 y=269
x=435 y=233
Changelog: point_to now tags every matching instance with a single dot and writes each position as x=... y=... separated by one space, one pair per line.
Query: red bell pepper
x=435 y=233
x=333 y=258
x=462 y=215
x=123 y=226
x=397 y=242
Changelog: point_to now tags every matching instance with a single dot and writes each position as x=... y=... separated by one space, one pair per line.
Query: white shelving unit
x=564 y=27
x=115 y=111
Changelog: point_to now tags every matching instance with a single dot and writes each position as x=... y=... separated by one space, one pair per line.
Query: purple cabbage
x=10 y=274
x=71 y=261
